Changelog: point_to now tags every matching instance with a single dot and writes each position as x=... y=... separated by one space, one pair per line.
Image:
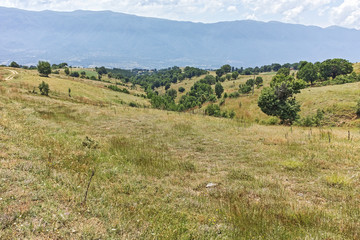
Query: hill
x=119 y=40
x=79 y=168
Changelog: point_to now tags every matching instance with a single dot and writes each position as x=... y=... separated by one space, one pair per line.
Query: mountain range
x=105 y=38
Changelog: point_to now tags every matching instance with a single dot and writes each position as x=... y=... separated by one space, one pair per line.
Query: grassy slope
x=81 y=89
x=152 y=168
x=338 y=101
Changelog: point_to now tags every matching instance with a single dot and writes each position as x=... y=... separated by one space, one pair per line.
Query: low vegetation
x=91 y=161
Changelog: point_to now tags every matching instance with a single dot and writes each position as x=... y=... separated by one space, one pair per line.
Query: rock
x=211 y=185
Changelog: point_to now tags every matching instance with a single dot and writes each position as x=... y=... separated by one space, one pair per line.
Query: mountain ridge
x=90 y=38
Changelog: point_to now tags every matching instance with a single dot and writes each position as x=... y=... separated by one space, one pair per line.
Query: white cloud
x=347 y=14
x=314 y=12
x=232 y=9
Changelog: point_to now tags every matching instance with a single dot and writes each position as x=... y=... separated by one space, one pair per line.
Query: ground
x=151 y=169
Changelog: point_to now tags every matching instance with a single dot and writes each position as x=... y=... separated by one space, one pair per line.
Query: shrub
x=245 y=88
x=213 y=110
x=44 y=88
x=234 y=95
x=181 y=89
x=75 y=74
x=133 y=104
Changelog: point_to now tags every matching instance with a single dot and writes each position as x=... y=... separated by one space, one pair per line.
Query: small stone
x=211 y=185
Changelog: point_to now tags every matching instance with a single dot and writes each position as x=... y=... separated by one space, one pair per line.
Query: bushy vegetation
x=326 y=72
x=44 y=88
x=214 y=110
x=44 y=68
x=278 y=99
x=117 y=89
x=163 y=175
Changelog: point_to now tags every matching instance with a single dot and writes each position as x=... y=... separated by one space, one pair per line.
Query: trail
x=12 y=75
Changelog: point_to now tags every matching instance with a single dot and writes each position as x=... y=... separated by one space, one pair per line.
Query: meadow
x=90 y=166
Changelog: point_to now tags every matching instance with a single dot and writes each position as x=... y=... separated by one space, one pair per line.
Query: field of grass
x=338 y=101
x=82 y=90
x=151 y=171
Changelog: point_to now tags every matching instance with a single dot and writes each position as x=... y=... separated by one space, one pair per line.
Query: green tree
x=101 y=70
x=235 y=75
x=14 y=64
x=67 y=71
x=279 y=101
x=335 y=67
x=228 y=76
x=44 y=88
x=219 y=90
x=283 y=71
x=220 y=72
x=172 y=93
x=308 y=72
x=44 y=68
x=167 y=86
x=226 y=68
x=259 y=81
x=181 y=89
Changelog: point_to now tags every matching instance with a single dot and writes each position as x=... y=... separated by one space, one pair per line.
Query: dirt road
x=12 y=75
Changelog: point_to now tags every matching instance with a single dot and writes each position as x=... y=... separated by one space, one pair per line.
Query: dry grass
x=82 y=90
x=152 y=168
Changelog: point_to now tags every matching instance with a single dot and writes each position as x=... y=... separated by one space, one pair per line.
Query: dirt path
x=12 y=75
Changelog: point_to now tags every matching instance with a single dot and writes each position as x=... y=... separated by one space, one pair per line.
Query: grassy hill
x=337 y=101
x=167 y=175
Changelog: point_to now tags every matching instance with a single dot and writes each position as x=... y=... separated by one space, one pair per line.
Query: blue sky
x=322 y=13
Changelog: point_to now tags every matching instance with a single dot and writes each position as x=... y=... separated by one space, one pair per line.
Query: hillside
x=147 y=172
x=119 y=40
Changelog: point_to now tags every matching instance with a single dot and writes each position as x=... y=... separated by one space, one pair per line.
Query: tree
x=219 y=90
x=228 y=76
x=226 y=68
x=67 y=71
x=279 y=101
x=172 y=93
x=284 y=71
x=101 y=70
x=275 y=66
x=235 y=75
x=335 y=67
x=14 y=64
x=181 y=89
x=220 y=72
x=167 y=86
x=44 y=68
x=259 y=81
x=44 y=88
x=308 y=72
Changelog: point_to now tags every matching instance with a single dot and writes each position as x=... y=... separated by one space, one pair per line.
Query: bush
x=234 y=95
x=271 y=121
x=75 y=74
x=213 y=110
x=115 y=88
x=181 y=89
x=44 y=88
x=133 y=104
x=245 y=88
x=314 y=120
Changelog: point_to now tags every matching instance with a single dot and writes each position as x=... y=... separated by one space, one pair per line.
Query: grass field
x=151 y=171
x=338 y=101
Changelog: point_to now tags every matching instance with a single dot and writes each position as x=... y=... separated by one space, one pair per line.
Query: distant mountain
x=120 y=40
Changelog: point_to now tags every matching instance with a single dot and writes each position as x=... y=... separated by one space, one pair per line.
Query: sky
x=323 y=13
